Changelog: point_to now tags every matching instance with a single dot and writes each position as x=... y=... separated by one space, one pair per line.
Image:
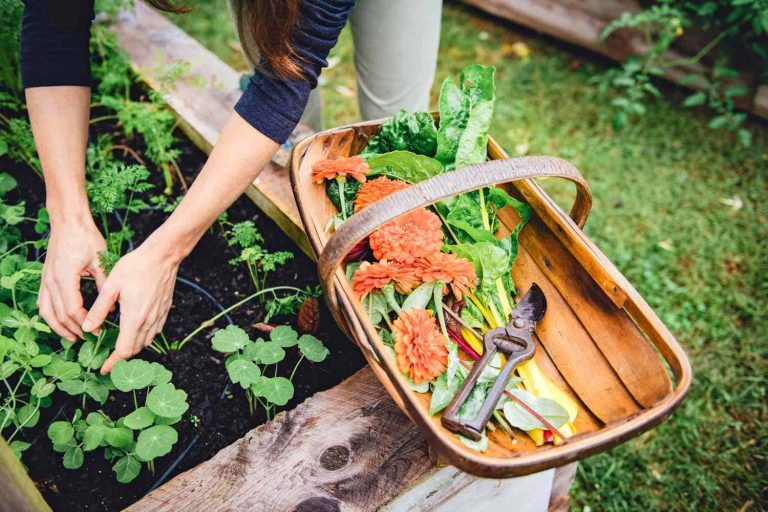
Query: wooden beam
x=17 y=491
x=350 y=449
x=580 y=22
x=203 y=100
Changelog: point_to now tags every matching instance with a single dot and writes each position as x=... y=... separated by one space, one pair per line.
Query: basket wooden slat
x=599 y=341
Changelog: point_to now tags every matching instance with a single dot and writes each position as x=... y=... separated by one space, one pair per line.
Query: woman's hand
x=73 y=252
x=142 y=282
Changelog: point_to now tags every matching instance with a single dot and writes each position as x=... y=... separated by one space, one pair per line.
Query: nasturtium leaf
x=269 y=352
x=42 y=388
x=119 y=437
x=249 y=352
x=312 y=348
x=94 y=436
x=60 y=432
x=19 y=447
x=284 y=336
x=547 y=408
x=231 y=339
x=167 y=421
x=40 y=360
x=62 y=370
x=278 y=390
x=28 y=416
x=155 y=442
x=162 y=375
x=73 y=458
x=133 y=374
x=126 y=469
x=243 y=372
x=140 y=418
x=166 y=401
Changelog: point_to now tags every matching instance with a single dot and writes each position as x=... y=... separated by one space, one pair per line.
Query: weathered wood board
x=580 y=22
x=17 y=492
x=347 y=449
x=203 y=100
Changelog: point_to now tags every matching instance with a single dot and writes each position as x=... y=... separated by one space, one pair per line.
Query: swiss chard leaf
x=405 y=166
x=350 y=193
x=405 y=131
x=491 y=261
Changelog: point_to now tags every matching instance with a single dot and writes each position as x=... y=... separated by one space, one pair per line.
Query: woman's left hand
x=142 y=282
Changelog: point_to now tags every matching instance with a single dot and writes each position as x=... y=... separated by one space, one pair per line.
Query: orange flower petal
x=376 y=190
x=353 y=167
x=374 y=276
x=413 y=235
x=450 y=269
x=419 y=346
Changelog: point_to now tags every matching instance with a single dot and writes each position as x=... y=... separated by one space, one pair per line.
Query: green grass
x=659 y=187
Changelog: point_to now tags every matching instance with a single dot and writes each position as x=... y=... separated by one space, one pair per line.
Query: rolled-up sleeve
x=54 y=42
x=274 y=105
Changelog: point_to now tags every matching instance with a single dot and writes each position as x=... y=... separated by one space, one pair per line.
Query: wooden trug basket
x=599 y=341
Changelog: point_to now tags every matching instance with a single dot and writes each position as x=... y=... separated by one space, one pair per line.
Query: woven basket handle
x=439 y=187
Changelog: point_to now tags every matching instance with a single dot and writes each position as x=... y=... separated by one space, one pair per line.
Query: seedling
x=248 y=362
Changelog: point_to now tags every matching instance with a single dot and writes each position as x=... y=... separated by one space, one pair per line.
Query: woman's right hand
x=73 y=252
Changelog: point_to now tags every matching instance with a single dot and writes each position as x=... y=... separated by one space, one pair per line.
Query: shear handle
x=450 y=418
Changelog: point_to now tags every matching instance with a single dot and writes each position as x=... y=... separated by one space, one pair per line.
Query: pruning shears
x=514 y=340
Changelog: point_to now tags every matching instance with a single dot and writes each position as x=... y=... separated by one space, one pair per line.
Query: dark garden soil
x=197 y=369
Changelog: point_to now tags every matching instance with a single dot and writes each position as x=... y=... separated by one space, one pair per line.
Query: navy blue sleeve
x=54 y=42
x=274 y=105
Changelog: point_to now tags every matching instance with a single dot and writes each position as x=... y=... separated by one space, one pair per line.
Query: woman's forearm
x=59 y=118
x=238 y=157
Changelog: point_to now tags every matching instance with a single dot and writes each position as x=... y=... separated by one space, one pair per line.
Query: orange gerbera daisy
x=353 y=167
x=376 y=190
x=450 y=269
x=374 y=276
x=413 y=235
x=420 y=347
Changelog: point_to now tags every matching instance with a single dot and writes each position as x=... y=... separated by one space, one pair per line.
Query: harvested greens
x=449 y=256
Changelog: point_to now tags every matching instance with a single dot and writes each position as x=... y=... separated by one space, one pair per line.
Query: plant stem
x=102 y=118
x=16 y=247
x=340 y=181
x=437 y=293
x=296 y=367
x=210 y=321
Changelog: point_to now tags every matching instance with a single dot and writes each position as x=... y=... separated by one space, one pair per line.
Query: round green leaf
x=119 y=437
x=162 y=376
x=40 y=360
x=130 y=375
x=126 y=469
x=231 y=339
x=94 y=436
x=277 y=390
x=72 y=387
x=73 y=458
x=60 y=432
x=97 y=418
x=243 y=372
x=167 y=421
x=284 y=336
x=42 y=388
x=269 y=352
x=62 y=370
x=155 y=442
x=28 y=416
x=140 y=418
x=167 y=401
x=312 y=348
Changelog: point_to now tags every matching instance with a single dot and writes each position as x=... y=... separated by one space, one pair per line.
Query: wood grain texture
x=580 y=22
x=17 y=491
x=349 y=448
x=203 y=100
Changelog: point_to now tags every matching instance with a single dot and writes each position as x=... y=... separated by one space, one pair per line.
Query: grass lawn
x=678 y=207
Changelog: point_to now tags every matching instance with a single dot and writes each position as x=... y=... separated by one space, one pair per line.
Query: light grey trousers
x=396 y=43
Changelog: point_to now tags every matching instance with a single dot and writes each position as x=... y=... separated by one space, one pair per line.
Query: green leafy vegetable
x=312 y=348
x=405 y=166
x=406 y=131
x=166 y=401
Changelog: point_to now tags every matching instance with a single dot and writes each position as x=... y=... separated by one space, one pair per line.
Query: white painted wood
x=448 y=489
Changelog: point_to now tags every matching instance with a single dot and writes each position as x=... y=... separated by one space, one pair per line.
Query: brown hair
x=268 y=23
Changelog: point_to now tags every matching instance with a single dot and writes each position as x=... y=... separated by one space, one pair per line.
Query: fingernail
x=87 y=325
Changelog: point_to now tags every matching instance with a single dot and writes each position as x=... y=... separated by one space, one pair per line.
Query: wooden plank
x=559 y=500
x=17 y=491
x=203 y=100
x=580 y=22
x=350 y=449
